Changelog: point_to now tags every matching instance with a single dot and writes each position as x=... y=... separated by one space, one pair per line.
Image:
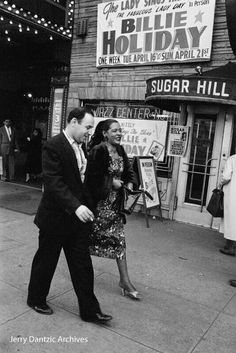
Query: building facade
x=171 y=64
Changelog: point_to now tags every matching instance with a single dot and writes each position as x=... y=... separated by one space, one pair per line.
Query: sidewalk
x=187 y=306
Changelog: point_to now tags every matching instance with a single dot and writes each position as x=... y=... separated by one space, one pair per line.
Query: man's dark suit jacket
x=7 y=146
x=63 y=192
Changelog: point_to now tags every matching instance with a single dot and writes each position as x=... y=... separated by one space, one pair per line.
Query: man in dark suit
x=8 y=147
x=64 y=220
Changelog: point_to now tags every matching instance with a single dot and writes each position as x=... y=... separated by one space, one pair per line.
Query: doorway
x=210 y=130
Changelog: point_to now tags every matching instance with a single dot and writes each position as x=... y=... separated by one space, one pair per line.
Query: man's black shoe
x=232 y=282
x=97 y=318
x=41 y=308
x=230 y=252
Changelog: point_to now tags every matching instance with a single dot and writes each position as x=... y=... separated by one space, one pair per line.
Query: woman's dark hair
x=98 y=137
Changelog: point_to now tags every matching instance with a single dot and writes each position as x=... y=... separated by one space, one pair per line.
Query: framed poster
x=143 y=137
x=148 y=181
x=178 y=140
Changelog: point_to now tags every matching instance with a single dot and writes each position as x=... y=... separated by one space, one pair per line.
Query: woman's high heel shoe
x=135 y=295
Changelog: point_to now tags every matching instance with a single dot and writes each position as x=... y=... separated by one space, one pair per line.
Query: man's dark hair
x=79 y=113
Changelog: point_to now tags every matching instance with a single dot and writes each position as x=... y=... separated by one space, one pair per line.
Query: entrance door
x=199 y=169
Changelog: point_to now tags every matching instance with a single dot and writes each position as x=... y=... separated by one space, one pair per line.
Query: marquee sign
x=141 y=32
x=56 y=15
x=197 y=88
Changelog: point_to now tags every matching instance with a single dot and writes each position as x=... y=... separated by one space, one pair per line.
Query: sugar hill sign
x=209 y=89
x=141 y=32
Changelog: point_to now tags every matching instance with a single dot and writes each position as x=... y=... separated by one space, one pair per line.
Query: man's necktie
x=81 y=160
x=9 y=133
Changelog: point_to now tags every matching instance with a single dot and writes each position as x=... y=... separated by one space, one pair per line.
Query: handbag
x=130 y=199
x=216 y=204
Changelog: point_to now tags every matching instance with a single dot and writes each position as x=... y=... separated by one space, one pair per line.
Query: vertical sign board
x=57 y=111
x=148 y=181
x=1 y=166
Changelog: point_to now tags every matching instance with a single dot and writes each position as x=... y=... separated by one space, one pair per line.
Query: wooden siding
x=129 y=83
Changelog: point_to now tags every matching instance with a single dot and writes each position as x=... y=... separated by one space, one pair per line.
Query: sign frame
x=148 y=183
x=136 y=33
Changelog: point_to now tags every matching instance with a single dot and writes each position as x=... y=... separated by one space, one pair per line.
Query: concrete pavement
x=187 y=306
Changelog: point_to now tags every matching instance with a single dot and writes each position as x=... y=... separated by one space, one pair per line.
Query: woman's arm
x=226 y=174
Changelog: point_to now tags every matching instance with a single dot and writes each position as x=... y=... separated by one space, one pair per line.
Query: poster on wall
x=178 y=140
x=57 y=111
x=143 y=137
x=142 y=32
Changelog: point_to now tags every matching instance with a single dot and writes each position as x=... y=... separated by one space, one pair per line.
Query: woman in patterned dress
x=107 y=170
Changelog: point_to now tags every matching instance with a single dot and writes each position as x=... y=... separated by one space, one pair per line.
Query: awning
x=213 y=86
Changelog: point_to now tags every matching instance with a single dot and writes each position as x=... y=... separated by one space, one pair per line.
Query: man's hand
x=84 y=214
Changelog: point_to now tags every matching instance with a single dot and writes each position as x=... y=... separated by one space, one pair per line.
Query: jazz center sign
x=142 y=32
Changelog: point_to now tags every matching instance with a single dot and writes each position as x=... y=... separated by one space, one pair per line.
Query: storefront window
x=137 y=110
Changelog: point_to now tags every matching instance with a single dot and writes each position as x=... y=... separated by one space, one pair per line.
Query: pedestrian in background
x=8 y=148
x=228 y=181
x=64 y=220
x=33 y=165
x=107 y=171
